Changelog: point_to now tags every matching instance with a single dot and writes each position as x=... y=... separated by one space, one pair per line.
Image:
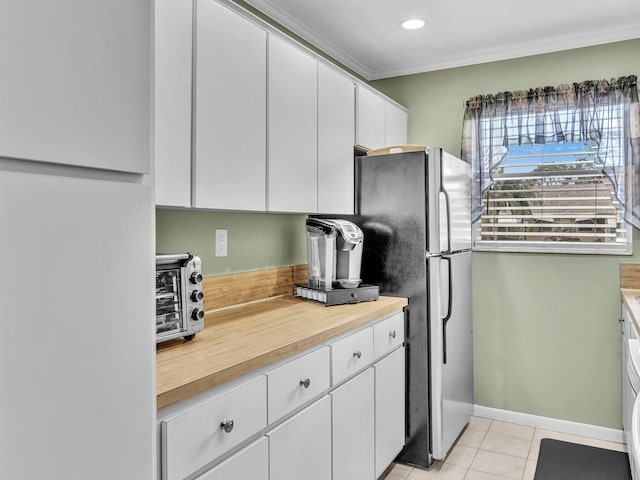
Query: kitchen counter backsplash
x=630 y=275
x=223 y=291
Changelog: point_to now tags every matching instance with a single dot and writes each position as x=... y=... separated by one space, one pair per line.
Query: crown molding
x=511 y=51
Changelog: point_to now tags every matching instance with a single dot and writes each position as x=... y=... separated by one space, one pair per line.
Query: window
x=551 y=170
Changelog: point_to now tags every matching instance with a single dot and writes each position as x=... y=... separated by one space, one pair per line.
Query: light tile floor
x=493 y=450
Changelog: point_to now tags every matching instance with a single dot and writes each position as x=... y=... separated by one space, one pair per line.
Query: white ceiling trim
x=511 y=51
x=514 y=52
x=310 y=36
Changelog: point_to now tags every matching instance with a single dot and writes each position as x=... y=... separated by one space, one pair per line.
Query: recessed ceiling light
x=412 y=24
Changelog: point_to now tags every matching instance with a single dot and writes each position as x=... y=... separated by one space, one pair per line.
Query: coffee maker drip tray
x=338 y=296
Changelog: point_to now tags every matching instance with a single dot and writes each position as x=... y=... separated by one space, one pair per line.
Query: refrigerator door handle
x=447 y=317
x=447 y=205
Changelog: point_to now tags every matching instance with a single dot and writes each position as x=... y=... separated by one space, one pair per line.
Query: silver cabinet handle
x=305 y=383
x=357 y=354
x=227 y=425
x=392 y=334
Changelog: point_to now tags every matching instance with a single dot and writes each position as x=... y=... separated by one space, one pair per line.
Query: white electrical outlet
x=221 y=243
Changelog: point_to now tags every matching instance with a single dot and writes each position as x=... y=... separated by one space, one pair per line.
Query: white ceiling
x=365 y=35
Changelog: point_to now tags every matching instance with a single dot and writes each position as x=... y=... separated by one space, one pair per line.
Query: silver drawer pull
x=357 y=354
x=392 y=334
x=305 y=383
x=227 y=425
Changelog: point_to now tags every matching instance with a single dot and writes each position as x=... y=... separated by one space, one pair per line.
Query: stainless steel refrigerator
x=414 y=210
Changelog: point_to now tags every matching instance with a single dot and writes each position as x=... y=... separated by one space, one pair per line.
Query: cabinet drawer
x=351 y=354
x=297 y=382
x=388 y=334
x=194 y=438
x=250 y=463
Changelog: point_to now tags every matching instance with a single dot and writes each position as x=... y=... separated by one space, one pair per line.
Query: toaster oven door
x=169 y=302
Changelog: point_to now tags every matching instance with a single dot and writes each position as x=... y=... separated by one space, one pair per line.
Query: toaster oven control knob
x=197 y=314
x=195 y=278
x=197 y=296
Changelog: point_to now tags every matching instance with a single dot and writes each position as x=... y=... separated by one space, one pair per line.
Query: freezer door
x=455 y=204
x=451 y=348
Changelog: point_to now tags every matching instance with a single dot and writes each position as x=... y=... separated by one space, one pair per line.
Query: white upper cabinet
x=173 y=67
x=248 y=120
x=293 y=129
x=230 y=110
x=381 y=123
x=75 y=83
x=371 y=119
x=395 y=132
x=336 y=138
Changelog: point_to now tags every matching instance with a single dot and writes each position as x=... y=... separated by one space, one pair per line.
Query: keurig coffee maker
x=334 y=253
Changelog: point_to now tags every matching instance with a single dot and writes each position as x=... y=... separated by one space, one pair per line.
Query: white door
x=390 y=405
x=353 y=428
x=77 y=349
x=371 y=119
x=230 y=110
x=395 y=132
x=76 y=82
x=301 y=446
x=251 y=463
x=173 y=68
x=293 y=129
x=336 y=138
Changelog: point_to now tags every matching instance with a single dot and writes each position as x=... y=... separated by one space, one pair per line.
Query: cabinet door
x=390 y=405
x=353 y=428
x=371 y=119
x=336 y=138
x=230 y=110
x=76 y=81
x=293 y=129
x=301 y=446
x=85 y=335
x=395 y=125
x=251 y=463
x=173 y=37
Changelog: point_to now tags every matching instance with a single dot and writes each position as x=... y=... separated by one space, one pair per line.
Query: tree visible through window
x=552 y=193
x=553 y=168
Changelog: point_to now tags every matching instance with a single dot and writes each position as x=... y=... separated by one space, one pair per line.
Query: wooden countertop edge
x=206 y=382
x=629 y=297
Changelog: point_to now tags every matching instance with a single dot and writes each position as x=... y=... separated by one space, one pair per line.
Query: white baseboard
x=564 y=426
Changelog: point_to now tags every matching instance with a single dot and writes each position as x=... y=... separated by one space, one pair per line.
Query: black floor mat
x=571 y=461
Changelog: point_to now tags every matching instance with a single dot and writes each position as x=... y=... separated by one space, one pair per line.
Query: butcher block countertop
x=629 y=296
x=239 y=340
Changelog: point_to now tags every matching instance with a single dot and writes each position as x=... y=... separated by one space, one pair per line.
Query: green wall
x=255 y=240
x=547 y=337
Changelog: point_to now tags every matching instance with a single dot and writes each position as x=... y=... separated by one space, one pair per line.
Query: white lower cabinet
x=251 y=463
x=353 y=428
x=335 y=412
x=301 y=446
x=389 y=409
x=197 y=436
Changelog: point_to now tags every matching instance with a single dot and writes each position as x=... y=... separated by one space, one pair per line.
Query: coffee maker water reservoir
x=334 y=254
x=334 y=250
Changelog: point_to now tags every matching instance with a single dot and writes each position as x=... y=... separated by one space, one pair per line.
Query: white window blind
x=556 y=197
